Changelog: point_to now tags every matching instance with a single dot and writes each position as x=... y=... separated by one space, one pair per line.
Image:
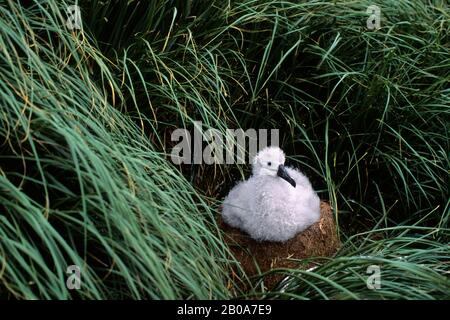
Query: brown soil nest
x=319 y=240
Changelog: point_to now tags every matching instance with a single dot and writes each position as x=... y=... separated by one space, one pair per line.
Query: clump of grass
x=80 y=184
x=405 y=272
x=402 y=262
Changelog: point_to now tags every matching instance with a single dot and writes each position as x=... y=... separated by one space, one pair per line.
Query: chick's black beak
x=282 y=173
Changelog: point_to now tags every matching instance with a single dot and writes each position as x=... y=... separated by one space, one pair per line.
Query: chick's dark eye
x=269 y=163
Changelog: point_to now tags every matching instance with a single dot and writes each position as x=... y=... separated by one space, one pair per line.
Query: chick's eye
x=269 y=163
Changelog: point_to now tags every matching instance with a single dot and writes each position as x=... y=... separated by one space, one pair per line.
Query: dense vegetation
x=86 y=116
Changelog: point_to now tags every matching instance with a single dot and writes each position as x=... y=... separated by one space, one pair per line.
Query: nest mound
x=319 y=240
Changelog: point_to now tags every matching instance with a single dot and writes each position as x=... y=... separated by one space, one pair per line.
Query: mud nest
x=319 y=240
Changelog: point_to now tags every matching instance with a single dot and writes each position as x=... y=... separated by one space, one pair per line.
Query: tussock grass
x=82 y=185
x=86 y=118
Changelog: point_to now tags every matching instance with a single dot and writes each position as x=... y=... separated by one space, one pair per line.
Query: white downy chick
x=275 y=203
